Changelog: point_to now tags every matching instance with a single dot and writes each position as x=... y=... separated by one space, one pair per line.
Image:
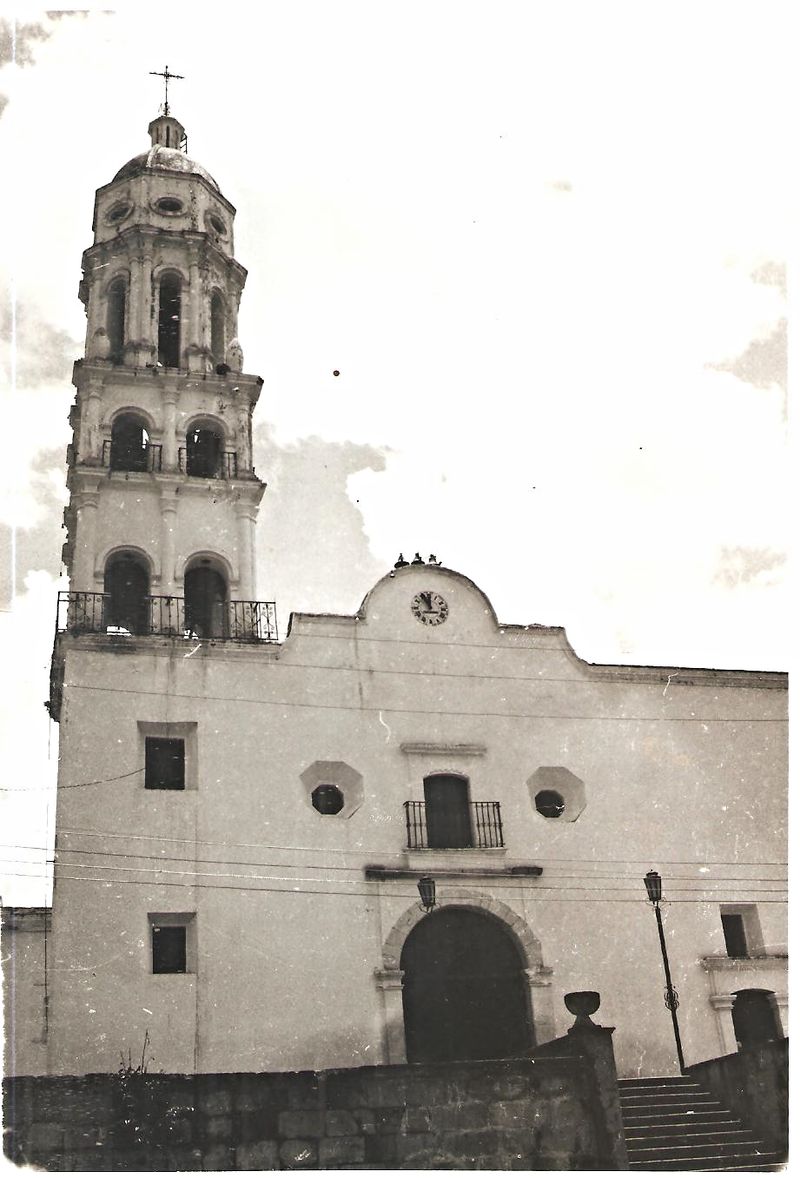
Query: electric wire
x=514 y=885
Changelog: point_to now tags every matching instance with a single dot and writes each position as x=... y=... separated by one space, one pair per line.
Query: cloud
x=17 y=42
x=771 y=274
x=742 y=566
x=37 y=546
x=34 y=350
x=763 y=363
x=313 y=552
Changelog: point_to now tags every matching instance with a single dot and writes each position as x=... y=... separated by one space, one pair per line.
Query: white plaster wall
x=289 y=933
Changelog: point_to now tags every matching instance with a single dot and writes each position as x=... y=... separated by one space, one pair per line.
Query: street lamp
x=652 y=881
x=427 y=892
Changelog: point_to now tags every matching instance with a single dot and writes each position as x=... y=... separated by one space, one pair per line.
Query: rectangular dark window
x=164 y=763
x=169 y=948
x=447 y=813
x=735 y=936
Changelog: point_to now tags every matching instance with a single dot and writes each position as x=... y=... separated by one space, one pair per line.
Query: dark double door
x=464 y=995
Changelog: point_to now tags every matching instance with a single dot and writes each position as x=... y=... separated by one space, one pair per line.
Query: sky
x=542 y=243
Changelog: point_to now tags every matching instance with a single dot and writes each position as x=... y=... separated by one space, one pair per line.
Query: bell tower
x=163 y=495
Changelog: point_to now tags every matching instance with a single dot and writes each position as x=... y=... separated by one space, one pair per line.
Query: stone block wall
x=754 y=1082
x=522 y=1114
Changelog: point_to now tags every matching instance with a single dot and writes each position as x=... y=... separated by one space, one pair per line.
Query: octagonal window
x=550 y=803
x=557 y=793
x=327 y=799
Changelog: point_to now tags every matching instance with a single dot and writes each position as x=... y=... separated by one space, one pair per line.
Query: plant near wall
x=134 y=1121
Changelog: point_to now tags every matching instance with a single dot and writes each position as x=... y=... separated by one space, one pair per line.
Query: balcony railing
x=223 y=466
x=140 y=458
x=480 y=826
x=169 y=617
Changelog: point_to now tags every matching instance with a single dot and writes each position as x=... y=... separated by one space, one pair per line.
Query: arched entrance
x=464 y=994
x=755 y=1017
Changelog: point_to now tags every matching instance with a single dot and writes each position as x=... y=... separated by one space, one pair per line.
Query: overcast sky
x=542 y=243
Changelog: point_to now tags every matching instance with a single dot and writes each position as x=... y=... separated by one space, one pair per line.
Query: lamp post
x=652 y=881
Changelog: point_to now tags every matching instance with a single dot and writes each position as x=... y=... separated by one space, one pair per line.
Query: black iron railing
x=222 y=466
x=132 y=458
x=175 y=617
x=485 y=827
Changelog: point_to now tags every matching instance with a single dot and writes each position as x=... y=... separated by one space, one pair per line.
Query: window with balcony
x=126 y=586
x=448 y=819
x=206 y=602
x=130 y=444
x=204 y=449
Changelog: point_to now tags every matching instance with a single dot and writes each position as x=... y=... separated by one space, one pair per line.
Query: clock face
x=429 y=608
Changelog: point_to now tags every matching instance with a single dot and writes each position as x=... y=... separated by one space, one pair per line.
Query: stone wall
x=754 y=1083
x=525 y=1114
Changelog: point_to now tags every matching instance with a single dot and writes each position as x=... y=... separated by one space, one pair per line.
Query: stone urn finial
x=582 y=1003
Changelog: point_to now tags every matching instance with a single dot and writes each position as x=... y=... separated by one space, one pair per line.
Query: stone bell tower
x=163 y=495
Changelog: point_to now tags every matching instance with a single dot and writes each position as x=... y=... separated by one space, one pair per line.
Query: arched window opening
x=447 y=811
x=204 y=452
x=129 y=444
x=169 y=321
x=464 y=993
x=115 y=320
x=206 y=602
x=126 y=586
x=217 y=328
x=755 y=1017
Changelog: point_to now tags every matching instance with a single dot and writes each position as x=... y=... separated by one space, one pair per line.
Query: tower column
x=246 y=514
x=83 y=566
x=144 y=308
x=133 y=317
x=169 y=443
x=91 y=442
x=244 y=456
x=169 y=512
x=194 y=341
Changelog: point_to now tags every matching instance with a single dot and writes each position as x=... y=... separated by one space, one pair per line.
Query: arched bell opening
x=169 y=320
x=130 y=443
x=755 y=1017
x=204 y=451
x=126 y=584
x=217 y=328
x=464 y=990
x=115 y=319
x=205 y=593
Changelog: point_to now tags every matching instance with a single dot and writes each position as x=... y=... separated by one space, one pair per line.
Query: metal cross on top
x=167 y=76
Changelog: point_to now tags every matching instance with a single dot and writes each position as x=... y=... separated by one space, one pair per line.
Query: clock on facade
x=429 y=608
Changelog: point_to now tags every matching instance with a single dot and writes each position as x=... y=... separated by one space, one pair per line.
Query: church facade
x=244 y=823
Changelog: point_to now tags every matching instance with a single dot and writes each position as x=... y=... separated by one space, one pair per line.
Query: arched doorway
x=129 y=443
x=126 y=586
x=205 y=596
x=204 y=452
x=755 y=1017
x=464 y=994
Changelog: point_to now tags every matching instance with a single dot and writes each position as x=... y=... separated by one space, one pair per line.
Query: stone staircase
x=670 y=1123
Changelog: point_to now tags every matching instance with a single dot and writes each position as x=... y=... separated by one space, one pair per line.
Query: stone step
x=741 y=1162
x=723 y=1136
x=676 y=1125
x=698 y=1147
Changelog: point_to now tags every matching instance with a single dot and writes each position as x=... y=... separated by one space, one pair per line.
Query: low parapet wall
x=523 y=1114
x=754 y=1083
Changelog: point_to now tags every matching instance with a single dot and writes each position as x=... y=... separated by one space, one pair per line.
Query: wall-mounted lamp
x=427 y=892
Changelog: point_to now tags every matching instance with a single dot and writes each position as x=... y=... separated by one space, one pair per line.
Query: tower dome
x=166 y=153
